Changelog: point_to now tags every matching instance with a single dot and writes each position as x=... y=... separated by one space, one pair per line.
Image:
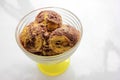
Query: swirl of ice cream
x=31 y=37
x=50 y=19
x=63 y=38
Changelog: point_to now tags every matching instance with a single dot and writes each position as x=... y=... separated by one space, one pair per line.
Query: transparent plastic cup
x=51 y=65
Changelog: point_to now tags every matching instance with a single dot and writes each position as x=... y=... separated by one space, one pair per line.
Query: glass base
x=54 y=69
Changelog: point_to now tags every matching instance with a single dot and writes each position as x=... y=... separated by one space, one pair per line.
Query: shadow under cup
x=67 y=18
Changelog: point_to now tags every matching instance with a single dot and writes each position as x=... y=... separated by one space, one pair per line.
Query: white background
x=98 y=56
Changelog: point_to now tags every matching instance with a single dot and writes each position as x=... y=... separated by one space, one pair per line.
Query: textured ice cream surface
x=31 y=37
x=50 y=19
x=63 y=38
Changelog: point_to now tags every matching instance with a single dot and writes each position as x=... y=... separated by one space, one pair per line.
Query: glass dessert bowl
x=55 y=64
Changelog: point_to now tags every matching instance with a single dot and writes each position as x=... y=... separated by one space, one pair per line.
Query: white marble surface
x=98 y=56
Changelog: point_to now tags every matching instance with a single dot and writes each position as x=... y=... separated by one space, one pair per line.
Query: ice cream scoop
x=31 y=37
x=50 y=19
x=63 y=38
